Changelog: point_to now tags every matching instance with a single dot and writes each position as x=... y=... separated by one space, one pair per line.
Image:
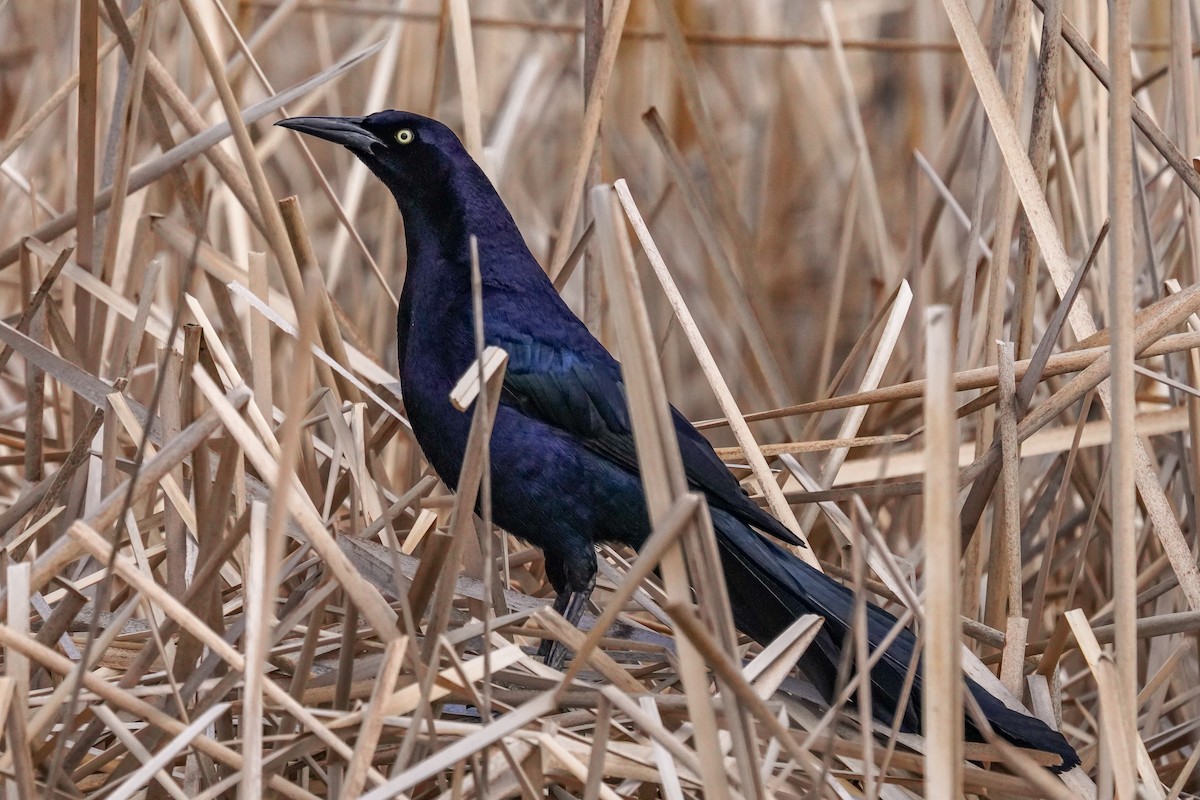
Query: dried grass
x=228 y=572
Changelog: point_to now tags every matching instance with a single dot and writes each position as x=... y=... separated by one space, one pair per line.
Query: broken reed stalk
x=943 y=704
x=660 y=465
x=1119 y=714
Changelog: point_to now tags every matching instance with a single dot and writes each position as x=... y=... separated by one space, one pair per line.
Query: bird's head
x=410 y=153
x=442 y=193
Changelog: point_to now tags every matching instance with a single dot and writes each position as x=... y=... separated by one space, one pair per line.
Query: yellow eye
x=404 y=136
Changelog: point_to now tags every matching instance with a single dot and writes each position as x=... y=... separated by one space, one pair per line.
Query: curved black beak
x=346 y=131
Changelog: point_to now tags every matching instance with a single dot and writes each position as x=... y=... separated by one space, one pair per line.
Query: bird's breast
x=432 y=359
x=440 y=429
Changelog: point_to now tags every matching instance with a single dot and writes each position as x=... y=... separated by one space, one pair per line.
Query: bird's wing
x=583 y=393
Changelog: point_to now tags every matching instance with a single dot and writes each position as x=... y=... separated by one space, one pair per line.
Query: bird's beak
x=346 y=131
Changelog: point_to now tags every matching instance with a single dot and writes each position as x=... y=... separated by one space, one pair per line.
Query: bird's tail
x=769 y=589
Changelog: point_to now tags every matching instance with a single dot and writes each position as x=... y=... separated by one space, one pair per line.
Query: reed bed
x=926 y=272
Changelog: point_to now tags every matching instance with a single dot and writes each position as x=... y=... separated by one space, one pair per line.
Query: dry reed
x=228 y=572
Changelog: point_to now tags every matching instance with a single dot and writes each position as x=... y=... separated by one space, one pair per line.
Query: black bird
x=564 y=468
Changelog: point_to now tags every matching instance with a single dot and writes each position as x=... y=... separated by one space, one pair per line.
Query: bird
x=564 y=466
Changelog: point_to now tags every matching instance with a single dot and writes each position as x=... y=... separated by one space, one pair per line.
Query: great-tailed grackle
x=564 y=468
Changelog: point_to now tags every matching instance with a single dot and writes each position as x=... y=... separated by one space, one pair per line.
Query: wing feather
x=585 y=395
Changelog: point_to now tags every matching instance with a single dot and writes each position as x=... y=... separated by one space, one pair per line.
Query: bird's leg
x=570 y=603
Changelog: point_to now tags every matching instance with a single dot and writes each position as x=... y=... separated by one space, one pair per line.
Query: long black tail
x=769 y=589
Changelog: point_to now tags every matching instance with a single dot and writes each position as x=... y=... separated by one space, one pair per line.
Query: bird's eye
x=404 y=136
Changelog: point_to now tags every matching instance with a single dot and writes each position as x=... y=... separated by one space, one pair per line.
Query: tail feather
x=769 y=589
